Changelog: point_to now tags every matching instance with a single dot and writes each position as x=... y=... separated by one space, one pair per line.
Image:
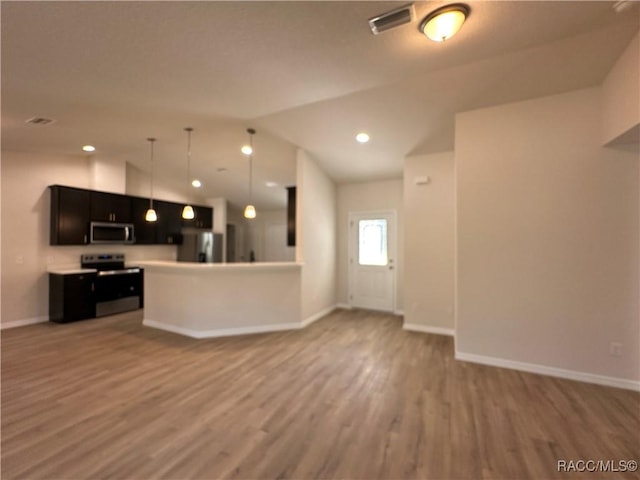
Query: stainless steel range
x=118 y=289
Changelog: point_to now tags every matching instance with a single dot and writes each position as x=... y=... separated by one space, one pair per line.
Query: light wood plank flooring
x=351 y=396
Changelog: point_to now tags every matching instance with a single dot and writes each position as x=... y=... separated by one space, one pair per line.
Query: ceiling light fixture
x=187 y=211
x=196 y=183
x=444 y=22
x=246 y=149
x=151 y=215
x=362 y=137
x=250 y=210
x=89 y=148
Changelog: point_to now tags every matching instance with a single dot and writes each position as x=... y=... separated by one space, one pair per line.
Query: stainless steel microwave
x=103 y=232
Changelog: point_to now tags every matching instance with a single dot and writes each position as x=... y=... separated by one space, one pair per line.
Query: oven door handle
x=105 y=273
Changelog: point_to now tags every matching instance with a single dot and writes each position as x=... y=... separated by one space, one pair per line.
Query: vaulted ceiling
x=305 y=74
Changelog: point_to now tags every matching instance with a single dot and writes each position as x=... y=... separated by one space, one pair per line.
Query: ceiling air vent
x=39 y=121
x=392 y=19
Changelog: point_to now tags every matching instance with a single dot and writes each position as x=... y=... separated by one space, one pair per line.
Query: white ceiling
x=307 y=74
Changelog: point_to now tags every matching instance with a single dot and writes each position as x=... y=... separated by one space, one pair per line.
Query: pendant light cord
x=189 y=130
x=151 y=142
x=251 y=170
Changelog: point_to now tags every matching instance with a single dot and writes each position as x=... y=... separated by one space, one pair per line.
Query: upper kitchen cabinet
x=110 y=207
x=145 y=232
x=169 y=222
x=203 y=218
x=70 y=215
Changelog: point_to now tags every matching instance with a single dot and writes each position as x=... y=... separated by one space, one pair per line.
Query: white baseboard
x=550 y=371
x=222 y=332
x=344 y=306
x=24 y=322
x=323 y=313
x=415 y=327
x=399 y=313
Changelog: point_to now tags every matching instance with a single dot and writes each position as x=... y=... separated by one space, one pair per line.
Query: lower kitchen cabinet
x=71 y=297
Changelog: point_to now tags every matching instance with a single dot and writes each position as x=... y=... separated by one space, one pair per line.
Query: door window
x=372 y=242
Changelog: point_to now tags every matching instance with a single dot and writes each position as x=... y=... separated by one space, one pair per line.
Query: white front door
x=372 y=274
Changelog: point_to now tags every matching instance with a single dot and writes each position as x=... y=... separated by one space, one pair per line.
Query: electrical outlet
x=19 y=259
x=615 y=349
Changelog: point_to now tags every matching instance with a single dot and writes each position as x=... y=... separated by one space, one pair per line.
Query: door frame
x=393 y=252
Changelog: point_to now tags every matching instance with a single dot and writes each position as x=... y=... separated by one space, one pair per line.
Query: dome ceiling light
x=443 y=23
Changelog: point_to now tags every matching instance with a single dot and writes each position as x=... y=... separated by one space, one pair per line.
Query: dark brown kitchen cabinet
x=110 y=207
x=203 y=217
x=169 y=222
x=291 y=216
x=70 y=215
x=146 y=233
x=73 y=210
x=72 y=297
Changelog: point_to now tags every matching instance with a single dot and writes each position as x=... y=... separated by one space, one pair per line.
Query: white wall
x=547 y=238
x=235 y=217
x=315 y=236
x=429 y=242
x=363 y=197
x=107 y=174
x=268 y=236
x=621 y=94
x=220 y=220
x=138 y=183
x=26 y=252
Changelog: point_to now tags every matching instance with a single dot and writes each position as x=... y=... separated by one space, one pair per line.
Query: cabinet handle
x=93 y=287
x=85 y=238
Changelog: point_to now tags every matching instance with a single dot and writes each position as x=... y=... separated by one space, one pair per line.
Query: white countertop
x=217 y=267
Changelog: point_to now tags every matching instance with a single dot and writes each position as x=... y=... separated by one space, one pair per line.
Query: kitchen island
x=203 y=300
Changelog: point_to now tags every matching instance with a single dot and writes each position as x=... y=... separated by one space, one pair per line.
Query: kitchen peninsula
x=203 y=300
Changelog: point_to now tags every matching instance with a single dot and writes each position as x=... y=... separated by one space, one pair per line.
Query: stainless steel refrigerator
x=201 y=247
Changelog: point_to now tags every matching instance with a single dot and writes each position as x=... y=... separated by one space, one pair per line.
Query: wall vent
x=392 y=19
x=39 y=121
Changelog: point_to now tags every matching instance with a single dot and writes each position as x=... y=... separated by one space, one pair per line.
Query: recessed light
x=196 y=183
x=89 y=148
x=271 y=184
x=362 y=137
x=246 y=149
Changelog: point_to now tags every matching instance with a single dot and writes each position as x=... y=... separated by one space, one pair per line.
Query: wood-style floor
x=352 y=396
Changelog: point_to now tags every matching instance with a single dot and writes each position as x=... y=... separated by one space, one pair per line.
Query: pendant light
x=250 y=210
x=151 y=215
x=187 y=211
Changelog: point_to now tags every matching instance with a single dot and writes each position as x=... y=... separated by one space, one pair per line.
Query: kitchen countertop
x=217 y=267
x=70 y=271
